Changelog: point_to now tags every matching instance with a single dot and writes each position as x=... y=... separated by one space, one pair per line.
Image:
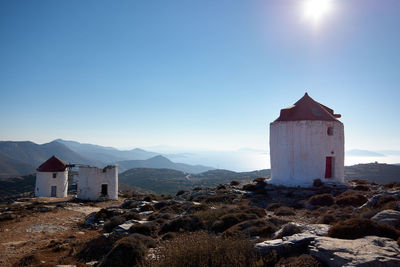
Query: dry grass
x=359 y=227
x=321 y=200
x=303 y=260
x=351 y=198
x=284 y=211
x=203 y=250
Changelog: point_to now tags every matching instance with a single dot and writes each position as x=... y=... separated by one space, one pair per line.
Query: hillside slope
x=160 y=162
x=167 y=181
x=374 y=172
x=107 y=155
x=24 y=157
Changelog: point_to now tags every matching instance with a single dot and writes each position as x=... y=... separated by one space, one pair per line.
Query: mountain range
x=20 y=158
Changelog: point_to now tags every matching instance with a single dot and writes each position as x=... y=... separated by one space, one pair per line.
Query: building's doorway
x=329 y=167
x=104 y=189
x=53 y=191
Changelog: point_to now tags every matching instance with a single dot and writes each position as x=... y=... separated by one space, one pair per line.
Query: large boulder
x=389 y=217
x=288 y=245
x=292 y=228
x=366 y=251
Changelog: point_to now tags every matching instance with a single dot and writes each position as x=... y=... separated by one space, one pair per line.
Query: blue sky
x=195 y=74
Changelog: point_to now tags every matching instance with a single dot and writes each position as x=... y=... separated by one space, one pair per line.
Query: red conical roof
x=53 y=164
x=307 y=109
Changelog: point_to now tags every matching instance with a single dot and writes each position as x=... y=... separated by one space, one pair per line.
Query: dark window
x=104 y=190
x=330 y=130
x=54 y=175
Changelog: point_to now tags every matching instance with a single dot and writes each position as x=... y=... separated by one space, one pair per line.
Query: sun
x=315 y=10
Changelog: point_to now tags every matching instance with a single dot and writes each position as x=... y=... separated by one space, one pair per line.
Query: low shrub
x=147 y=207
x=334 y=214
x=202 y=249
x=251 y=228
x=235 y=183
x=157 y=215
x=361 y=187
x=304 y=260
x=95 y=249
x=385 y=199
x=196 y=208
x=168 y=236
x=221 y=187
x=181 y=192
x=359 y=181
x=131 y=215
x=128 y=251
x=183 y=224
x=318 y=183
x=351 y=198
x=148 y=229
x=327 y=219
x=321 y=200
x=273 y=206
x=392 y=185
x=284 y=211
x=173 y=207
x=29 y=260
x=147 y=198
x=113 y=222
x=103 y=214
x=359 y=227
x=228 y=220
x=220 y=198
x=249 y=187
x=259 y=179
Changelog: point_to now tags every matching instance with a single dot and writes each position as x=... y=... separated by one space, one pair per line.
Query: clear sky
x=195 y=74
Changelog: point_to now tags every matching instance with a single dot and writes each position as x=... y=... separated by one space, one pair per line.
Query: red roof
x=53 y=164
x=307 y=109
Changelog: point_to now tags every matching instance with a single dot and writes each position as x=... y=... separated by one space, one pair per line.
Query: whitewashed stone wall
x=91 y=179
x=45 y=181
x=298 y=151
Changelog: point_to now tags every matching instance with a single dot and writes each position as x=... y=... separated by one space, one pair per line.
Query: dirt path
x=51 y=235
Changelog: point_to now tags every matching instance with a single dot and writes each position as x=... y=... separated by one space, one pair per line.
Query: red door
x=328 y=167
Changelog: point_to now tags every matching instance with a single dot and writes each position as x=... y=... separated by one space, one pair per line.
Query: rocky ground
x=254 y=224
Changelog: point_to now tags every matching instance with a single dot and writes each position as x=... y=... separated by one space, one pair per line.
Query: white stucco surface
x=298 y=151
x=45 y=180
x=91 y=179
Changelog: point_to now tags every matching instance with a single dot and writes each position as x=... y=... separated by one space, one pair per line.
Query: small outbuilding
x=95 y=183
x=52 y=178
x=306 y=143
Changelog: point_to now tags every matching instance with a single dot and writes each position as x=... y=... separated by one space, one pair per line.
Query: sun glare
x=315 y=10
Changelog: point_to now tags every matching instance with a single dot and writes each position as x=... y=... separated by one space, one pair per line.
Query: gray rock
x=389 y=217
x=285 y=246
x=292 y=228
x=367 y=251
x=374 y=200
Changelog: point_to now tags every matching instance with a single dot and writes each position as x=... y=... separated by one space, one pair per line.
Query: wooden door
x=54 y=191
x=328 y=167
